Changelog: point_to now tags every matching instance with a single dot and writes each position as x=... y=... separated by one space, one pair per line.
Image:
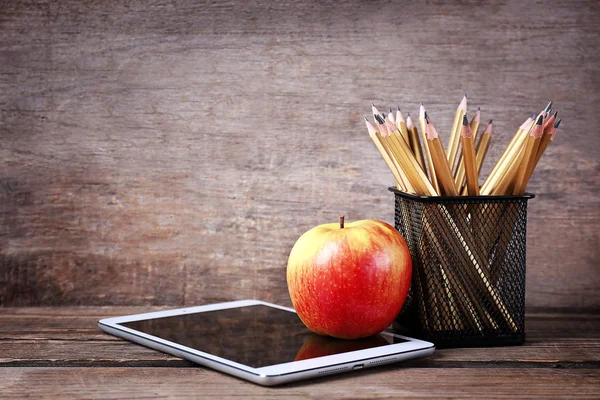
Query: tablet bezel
x=261 y=374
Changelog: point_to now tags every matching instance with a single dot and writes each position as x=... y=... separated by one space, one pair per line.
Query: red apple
x=349 y=281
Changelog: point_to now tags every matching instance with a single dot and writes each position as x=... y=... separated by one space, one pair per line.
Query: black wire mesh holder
x=469 y=258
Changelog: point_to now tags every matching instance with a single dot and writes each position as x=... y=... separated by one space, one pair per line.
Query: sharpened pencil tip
x=479 y=108
x=427 y=119
x=398 y=108
x=390 y=111
x=379 y=119
x=366 y=119
x=540 y=120
x=383 y=115
x=372 y=104
x=555 y=113
x=408 y=114
x=466 y=95
x=548 y=107
x=422 y=104
x=491 y=120
x=557 y=123
x=426 y=115
x=465 y=120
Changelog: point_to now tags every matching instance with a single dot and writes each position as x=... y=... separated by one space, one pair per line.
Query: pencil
x=459 y=177
x=412 y=163
x=507 y=176
x=374 y=110
x=392 y=129
x=442 y=168
x=469 y=158
x=548 y=135
x=507 y=156
x=401 y=124
x=394 y=168
x=404 y=156
x=483 y=144
x=547 y=138
x=391 y=116
x=453 y=144
x=528 y=158
x=430 y=165
x=396 y=155
x=415 y=142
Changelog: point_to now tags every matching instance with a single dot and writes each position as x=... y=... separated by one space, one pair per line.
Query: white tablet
x=260 y=342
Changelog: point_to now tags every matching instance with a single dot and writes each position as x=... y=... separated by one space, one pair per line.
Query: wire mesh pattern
x=469 y=257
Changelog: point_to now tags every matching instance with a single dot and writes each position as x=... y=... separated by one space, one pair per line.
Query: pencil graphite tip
x=540 y=120
x=491 y=121
x=548 y=107
x=426 y=116
x=533 y=116
x=383 y=115
x=478 y=108
x=390 y=110
x=465 y=120
x=557 y=123
x=379 y=119
x=555 y=113
x=398 y=108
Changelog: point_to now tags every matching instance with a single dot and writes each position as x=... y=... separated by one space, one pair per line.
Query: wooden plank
x=70 y=337
x=383 y=382
x=162 y=154
x=549 y=353
x=70 y=322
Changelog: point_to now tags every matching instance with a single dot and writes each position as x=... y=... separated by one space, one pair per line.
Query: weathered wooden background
x=161 y=152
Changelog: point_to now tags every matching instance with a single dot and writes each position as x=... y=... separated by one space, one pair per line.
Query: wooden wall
x=171 y=152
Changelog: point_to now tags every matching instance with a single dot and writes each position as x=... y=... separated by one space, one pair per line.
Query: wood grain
x=67 y=336
x=386 y=382
x=171 y=153
x=59 y=352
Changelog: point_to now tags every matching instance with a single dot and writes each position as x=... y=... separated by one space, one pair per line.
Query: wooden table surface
x=60 y=352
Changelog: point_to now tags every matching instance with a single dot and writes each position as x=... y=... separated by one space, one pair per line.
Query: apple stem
x=341 y=222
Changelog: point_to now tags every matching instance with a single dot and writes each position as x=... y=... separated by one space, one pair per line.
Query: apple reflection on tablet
x=320 y=346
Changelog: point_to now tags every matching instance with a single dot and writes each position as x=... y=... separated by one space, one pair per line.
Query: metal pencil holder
x=468 y=285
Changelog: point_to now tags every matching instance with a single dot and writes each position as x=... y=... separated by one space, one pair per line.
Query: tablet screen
x=256 y=335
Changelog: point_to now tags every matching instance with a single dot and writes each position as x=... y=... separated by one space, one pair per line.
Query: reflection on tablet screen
x=256 y=336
